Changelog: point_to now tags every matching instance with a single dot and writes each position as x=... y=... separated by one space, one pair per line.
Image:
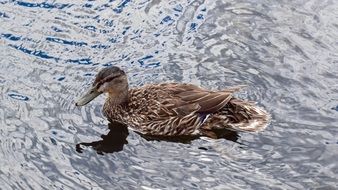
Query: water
x=285 y=51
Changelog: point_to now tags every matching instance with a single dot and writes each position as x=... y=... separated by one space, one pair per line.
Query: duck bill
x=89 y=96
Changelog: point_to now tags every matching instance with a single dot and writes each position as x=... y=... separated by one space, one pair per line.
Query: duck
x=173 y=109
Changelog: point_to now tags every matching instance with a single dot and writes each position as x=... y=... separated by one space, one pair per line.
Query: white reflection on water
x=285 y=52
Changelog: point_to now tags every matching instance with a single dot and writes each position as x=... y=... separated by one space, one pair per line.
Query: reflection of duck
x=112 y=142
x=118 y=133
x=218 y=133
x=172 y=109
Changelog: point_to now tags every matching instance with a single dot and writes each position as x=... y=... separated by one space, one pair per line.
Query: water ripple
x=66 y=42
x=44 y=5
x=36 y=53
x=18 y=96
x=284 y=52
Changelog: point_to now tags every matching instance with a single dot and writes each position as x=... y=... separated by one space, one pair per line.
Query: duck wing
x=184 y=99
x=180 y=109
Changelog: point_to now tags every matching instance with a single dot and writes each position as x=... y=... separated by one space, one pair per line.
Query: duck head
x=111 y=80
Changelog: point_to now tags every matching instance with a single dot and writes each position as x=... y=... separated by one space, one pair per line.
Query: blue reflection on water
x=50 y=49
x=90 y=27
x=178 y=8
x=82 y=61
x=121 y=6
x=87 y=5
x=11 y=37
x=56 y=29
x=335 y=108
x=193 y=26
x=142 y=60
x=100 y=46
x=67 y=42
x=36 y=53
x=4 y=15
x=200 y=16
x=43 y=5
x=18 y=96
x=61 y=78
x=167 y=20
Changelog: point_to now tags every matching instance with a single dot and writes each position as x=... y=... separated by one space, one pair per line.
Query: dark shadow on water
x=112 y=142
x=219 y=134
x=118 y=133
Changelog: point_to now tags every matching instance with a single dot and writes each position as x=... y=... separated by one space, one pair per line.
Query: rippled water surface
x=285 y=51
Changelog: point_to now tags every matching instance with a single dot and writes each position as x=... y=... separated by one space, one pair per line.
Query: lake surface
x=285 y=51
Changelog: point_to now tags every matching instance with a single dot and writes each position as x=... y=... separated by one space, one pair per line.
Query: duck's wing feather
x=180 y=109
x=183 y=99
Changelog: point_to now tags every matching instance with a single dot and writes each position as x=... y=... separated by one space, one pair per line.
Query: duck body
x=174 y=109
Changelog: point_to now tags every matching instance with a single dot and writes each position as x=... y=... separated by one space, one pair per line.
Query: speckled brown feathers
x=174 y=109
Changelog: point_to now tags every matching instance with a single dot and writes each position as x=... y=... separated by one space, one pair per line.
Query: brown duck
x=173 y=109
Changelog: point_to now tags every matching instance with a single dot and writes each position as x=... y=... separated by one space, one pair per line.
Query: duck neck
x=118 y=98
